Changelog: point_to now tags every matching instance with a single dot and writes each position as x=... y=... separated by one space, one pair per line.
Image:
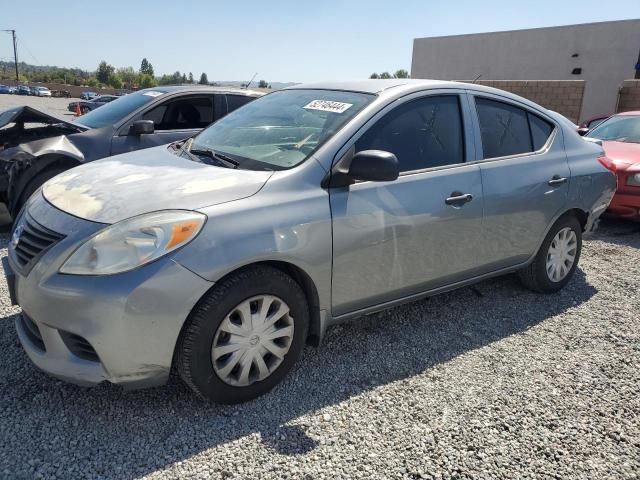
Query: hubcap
x=252 y=340
x=562 y=254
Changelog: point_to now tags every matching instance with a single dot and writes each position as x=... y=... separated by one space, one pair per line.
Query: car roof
x=396 y=87
x=631 y=113
x=374 y=86
x=202 y=88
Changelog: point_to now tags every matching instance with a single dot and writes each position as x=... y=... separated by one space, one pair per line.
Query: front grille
x=34 y=240
x=79 y=346
x=33 y=332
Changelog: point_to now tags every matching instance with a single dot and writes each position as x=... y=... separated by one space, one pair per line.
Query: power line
x=23 y=45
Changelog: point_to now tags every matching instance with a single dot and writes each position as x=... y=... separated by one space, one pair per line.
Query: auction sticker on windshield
x=328 y=106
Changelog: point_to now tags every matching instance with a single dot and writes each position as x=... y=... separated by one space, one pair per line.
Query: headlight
x=134 y=242
x=634 y=180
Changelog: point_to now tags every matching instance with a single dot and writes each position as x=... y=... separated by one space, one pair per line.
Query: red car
x=620 y=135
x=591 y=123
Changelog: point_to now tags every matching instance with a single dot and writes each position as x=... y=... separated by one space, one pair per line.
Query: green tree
x=263 y=84
x=146 y=81
x=184 y=78
x=191 y=80
x=203 y=79
x=92 y=82
x=128 y=76
x=104 y=72
x=402 y=73
x=115 y=81
x=375 y=76
x=385 y=75
x=146 y=67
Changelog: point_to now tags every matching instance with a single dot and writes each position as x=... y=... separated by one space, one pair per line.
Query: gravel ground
x=48 y=104
x=485 y=382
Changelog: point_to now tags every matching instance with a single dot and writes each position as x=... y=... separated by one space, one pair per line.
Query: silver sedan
x=224 y=254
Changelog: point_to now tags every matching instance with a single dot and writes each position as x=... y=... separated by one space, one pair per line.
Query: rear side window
x=508 y=130
x=540 y=131
x=423 y=133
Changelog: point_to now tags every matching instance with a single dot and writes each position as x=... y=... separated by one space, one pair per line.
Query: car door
x=176 y=118
x=525 y=176
x=421 y=231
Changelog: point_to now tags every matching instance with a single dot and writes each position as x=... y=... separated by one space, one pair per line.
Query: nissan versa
x=222 y=255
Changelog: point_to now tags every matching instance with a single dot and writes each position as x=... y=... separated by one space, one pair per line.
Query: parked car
x=591 y=123
x=5 y=89
x=87 y=105
x=61 y=93
x=222 y=255
x=147 y=118
x=23 y=90
x=88 y=95
x=620 y=136
x=41 y=91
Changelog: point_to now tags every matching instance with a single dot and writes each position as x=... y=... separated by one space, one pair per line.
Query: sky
x=281 y=40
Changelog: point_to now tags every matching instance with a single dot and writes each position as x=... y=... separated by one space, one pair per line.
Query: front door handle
x=557 y=180
x=458 y=199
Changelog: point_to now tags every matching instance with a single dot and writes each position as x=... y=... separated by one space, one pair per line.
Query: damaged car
x=36 y=146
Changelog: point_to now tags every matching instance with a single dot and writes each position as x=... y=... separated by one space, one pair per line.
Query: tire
x=34 y=184
x=536 y=276
x=204 y=333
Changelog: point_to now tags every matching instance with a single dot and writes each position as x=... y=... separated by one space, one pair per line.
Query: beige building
x=602 y=55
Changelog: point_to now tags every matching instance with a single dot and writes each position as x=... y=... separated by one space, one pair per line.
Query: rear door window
x=236 y=101
x=504 y=128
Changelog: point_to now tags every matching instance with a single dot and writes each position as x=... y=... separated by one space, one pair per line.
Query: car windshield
x=116 y=110
x=620 y=128
x=281 y=130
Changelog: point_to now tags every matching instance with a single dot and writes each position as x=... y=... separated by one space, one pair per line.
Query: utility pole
x=15 y=53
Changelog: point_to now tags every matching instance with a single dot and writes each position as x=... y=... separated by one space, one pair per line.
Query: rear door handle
x=557 y=180
x=458 y=198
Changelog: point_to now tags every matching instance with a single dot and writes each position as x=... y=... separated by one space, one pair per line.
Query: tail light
x=607 y=163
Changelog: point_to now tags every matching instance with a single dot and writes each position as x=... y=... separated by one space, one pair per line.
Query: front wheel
x=34 y=184
x=556 y=261
x=244 y=336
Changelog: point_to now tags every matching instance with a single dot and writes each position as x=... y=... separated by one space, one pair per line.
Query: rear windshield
x=116 y=110
x=619 y=128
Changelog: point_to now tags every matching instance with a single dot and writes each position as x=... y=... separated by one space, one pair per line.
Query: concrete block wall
x=563 y=96
x=629 y=96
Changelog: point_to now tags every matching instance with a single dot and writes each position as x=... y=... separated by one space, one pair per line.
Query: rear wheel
x=244 y=336
x=556 y=261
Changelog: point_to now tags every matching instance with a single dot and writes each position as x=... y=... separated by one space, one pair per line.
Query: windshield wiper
x=204 y=152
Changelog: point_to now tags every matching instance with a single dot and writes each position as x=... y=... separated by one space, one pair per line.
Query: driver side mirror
x=368 y=165
x=141 y=127
x=374 y=166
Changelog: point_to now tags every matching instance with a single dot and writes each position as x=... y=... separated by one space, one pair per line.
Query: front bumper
x=88 y=329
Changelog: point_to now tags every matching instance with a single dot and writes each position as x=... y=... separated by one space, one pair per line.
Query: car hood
x=124 y=186
x=28 y=115
x=625 y=155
